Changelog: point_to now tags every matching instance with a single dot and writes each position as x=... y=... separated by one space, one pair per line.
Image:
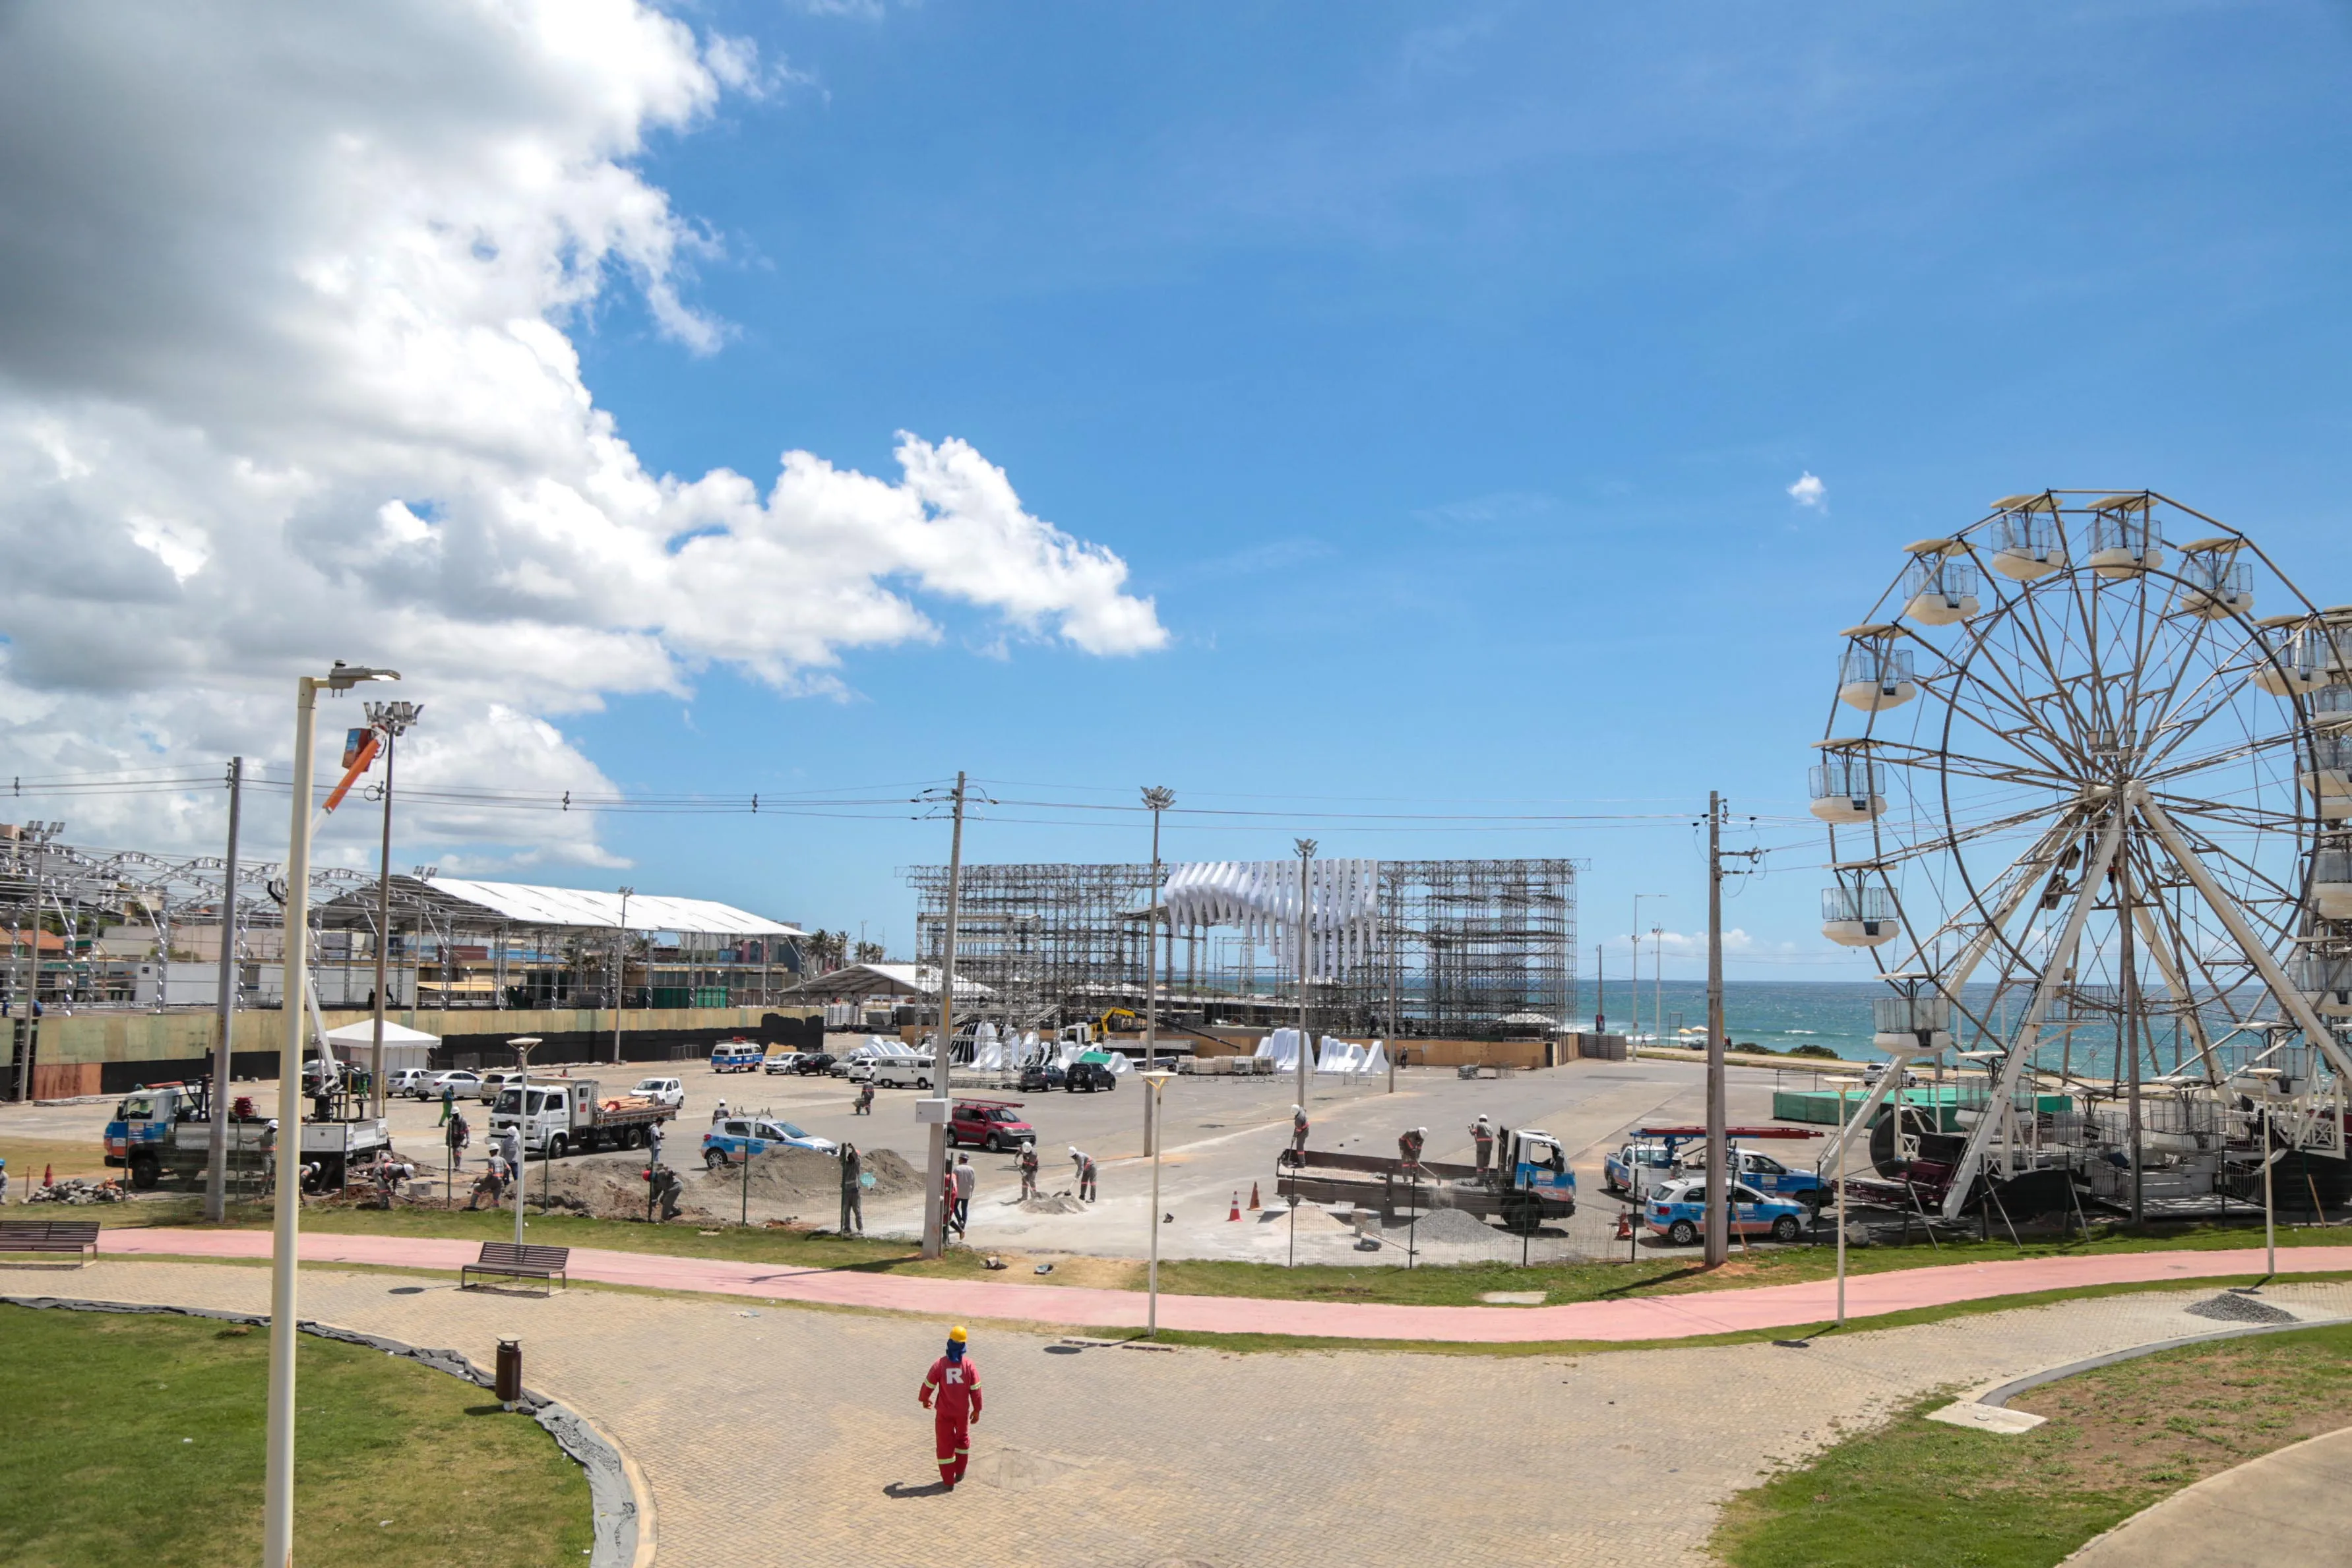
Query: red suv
x=991 y=1125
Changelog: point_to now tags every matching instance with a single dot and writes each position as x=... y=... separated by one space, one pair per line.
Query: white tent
x=1339 y=1056
x=404 y=1047
x=1376 y=1059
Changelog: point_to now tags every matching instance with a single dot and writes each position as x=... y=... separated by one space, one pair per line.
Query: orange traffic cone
x=1624 y=1225
x=1255 y=1204
x=1237 y=1211
x=47 y=1179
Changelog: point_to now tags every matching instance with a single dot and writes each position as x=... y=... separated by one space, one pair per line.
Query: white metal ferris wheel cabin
x=2080 y=798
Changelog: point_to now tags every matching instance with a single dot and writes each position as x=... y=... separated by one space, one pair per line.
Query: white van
x=908 y=1071
x=736 y=1056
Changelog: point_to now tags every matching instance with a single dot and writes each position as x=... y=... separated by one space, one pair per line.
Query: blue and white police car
x=729 y=1142
x=1677 y=1211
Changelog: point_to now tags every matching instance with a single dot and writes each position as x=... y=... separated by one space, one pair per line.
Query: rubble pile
x=78 y=1189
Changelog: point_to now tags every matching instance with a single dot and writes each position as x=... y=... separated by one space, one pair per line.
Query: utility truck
x=566 y=1114
x=163 y=1131
x=1529 y=1184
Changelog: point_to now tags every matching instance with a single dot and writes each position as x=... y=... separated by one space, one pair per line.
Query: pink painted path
x=1645 y=1317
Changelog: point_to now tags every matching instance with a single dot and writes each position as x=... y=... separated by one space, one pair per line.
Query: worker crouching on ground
x=954 y=1383
x=1086 y=1164
x=1481 y=1138
x=864 y=1105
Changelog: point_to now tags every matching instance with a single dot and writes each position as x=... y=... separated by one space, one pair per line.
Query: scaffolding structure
x=1465 y=949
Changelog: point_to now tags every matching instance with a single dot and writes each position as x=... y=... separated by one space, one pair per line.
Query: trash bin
x=507 y=1385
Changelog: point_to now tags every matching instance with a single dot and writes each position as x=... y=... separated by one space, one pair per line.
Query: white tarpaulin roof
x=575 y=906
x=886 y=981
x=364 y=1033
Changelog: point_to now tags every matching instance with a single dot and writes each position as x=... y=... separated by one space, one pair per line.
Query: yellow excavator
x=1133 y=1022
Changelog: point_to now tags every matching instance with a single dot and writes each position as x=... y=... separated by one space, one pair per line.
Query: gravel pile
x=2229 y=1307
x=78 y=1189
x=1051 y=1203
x=1447 y=1224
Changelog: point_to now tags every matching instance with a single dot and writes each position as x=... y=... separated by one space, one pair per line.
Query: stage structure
x=1460 y=949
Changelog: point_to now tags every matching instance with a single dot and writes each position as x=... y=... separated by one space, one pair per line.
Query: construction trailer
x=1456 y=949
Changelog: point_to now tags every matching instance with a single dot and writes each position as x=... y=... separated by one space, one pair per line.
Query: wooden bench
x=506 y=1260
x=75 y=1236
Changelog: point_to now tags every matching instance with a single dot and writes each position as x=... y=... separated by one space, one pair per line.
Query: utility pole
x=934 y=1212
x=1657 y=985
x=390 y=720
x=1719 y=1192
x=1156 y=798
x=620 y=971
x=1599 y=990
x=1305 y=848
x=216 y=1143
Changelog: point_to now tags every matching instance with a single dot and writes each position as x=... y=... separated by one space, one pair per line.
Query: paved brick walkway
x=773 y=1436
x=1647 y=1318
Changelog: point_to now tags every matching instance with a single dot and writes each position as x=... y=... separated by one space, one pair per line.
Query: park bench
x=74 y=1236
x=506 y=1260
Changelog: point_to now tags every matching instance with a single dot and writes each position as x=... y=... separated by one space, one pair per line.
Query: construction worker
x=964 y=1179
x=948 y=1206
x=3 y=1183
x=853 y=1204
x=954 y=1381
x=865 y=1105
x=448 y=1106
x=1299 y=1129
x=1086 y=1163
x=1028 y=1172
x=718 y=1113
x=1481 y=1138
x=1409 y=1145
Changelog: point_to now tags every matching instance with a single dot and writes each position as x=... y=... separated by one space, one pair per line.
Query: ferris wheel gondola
x=2089 y=817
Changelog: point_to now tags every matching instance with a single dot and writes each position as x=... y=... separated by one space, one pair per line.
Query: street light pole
x=522 y=1113
x=1159 y=1082
x=1634 y=968
x=1718 y=1172
x=277 y=1477
x=621 y=970
x=1156 y=798
x=1305 y=848
x=1841 y=1085
x=935 y=1168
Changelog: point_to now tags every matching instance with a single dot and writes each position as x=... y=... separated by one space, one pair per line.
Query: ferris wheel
x=2087 y=778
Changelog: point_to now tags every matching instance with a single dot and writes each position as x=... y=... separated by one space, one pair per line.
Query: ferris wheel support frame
x=2054 y=975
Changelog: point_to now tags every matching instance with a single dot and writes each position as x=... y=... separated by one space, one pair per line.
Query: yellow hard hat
x=957 y=1335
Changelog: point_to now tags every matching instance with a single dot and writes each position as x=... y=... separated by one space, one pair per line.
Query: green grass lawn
x=1918 y=1494
x=138 y=1440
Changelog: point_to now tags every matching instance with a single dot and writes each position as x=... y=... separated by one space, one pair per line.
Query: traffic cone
x=1255 y=1204
x=1624 y=1225
x=1237 y=1211
x=47 y=1179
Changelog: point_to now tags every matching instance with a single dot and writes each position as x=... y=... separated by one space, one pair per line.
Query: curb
x=620 y=1502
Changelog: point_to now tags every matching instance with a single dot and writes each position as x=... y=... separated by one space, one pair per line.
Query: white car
x=495 y=1080
x=783 y=1061
x=404 y=1079
x=461 y=1083
x=661 y=1090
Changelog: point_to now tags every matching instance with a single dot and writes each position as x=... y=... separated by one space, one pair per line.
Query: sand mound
x=1447 y=1224
x=801 y=1180
x=1051 y=1203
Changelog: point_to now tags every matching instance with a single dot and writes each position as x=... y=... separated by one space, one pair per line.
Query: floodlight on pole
x=1156 y=800
x=391 y=720
x=277 y=1475
x=1159 y=1082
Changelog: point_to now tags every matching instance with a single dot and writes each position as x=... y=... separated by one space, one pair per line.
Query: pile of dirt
x=1446 y=1226
x=1051 y=1203
x=802 y=1181
x=598 y=1189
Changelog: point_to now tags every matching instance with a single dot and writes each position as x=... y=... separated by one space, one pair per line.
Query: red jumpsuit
x=957 y=1385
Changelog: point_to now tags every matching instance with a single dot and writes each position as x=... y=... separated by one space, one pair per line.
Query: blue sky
x=1445 y=383
x=1440 y=374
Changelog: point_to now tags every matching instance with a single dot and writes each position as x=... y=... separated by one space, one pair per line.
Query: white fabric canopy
x=363 y=1033
x=1341 y=914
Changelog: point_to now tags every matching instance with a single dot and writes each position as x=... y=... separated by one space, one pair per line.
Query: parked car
x=903 y=1073
x=859 y=1069
x=812 y=1063
x=404 y=1079
x=460 y=1082
x=730 y=1141
x=1086 y=1077
x=1678 y=1212
x=1039 y=1077
x=661 y=1090
x=1639 y=1165
x=783 y=1061
x=990 y=1123
x=495 y=1080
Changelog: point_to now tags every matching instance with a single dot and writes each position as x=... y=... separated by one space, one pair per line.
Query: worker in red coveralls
x=955 y=1381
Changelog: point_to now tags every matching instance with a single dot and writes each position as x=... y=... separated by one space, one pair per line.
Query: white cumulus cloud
x=287 y=375
x=1809 y=490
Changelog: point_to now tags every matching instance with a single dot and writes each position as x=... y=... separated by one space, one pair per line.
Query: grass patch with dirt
x=1917 y=1493
x=140 y=1438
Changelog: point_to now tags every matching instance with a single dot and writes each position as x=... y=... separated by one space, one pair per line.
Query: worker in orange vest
x=954 y=1383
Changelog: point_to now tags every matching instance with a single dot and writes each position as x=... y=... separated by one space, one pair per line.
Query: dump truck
x=163 y=1132
x=568 y=1114
x=1529 y=1184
